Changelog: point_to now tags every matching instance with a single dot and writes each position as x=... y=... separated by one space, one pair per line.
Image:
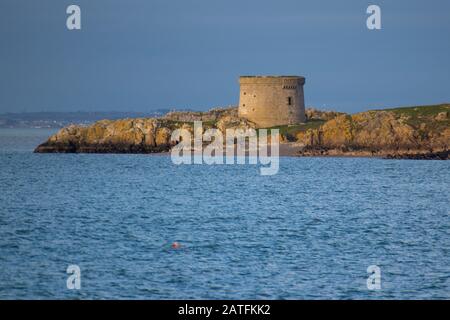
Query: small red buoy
x=176 y=245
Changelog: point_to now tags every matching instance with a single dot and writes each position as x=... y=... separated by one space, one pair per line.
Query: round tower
x=272 y=100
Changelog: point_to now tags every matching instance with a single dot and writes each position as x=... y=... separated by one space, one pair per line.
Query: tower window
x=289 y=101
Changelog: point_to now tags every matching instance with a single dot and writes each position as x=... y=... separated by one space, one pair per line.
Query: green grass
x=290 y=131
x=210 y=123
x=420 y=111
x=418 y=115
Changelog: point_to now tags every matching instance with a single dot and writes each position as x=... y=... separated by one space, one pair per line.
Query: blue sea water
x=309 y=232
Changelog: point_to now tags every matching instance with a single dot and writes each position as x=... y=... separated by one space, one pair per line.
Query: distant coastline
x=63 y=119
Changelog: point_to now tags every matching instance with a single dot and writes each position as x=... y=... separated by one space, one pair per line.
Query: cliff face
x=417 y=132
x=391 y=133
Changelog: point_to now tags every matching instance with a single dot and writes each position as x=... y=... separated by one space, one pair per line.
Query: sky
x=144 y=55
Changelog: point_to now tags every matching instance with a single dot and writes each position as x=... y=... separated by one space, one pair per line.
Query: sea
x=102 y=226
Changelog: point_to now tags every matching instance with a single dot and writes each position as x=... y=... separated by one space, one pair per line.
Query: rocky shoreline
x=384 y=154
x=402 y=133
x=440 y=155
x=100 y=148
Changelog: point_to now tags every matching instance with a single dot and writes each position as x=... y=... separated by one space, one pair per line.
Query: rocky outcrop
x=143 y=135
x=397 y=133
x=212 y=115
x=107 y=136
x=314 y=114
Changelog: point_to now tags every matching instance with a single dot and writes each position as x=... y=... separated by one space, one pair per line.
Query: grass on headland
x=418 y=116
x=291 y=131
x=419 y=111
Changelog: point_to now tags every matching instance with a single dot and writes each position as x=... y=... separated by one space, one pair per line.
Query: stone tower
x=272 y=100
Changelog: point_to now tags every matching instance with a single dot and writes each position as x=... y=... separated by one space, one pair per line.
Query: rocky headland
x=421 y=132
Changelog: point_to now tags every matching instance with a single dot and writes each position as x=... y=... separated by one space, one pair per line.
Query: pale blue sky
x=141 y=55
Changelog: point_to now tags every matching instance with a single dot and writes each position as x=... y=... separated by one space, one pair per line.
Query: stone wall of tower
x=272 y=100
